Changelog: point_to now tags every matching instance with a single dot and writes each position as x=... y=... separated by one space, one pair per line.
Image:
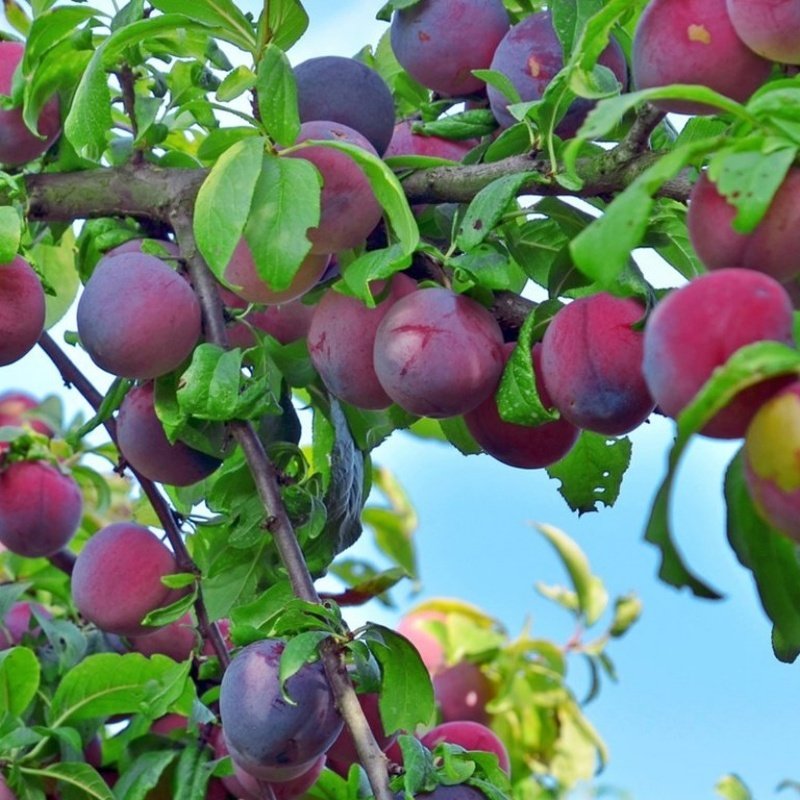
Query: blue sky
x=700 y=693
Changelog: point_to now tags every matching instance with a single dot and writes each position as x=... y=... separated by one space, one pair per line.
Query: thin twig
x=72 y=376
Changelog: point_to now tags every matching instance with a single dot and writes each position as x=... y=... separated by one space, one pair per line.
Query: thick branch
x=278 y=522
x=72 y=376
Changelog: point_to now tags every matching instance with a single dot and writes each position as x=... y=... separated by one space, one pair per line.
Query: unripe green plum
x=268 y=737
x=695 y=329
x=438 y=354
x=693 y=41
x=771 y=28
x=137 y=317
x=22 y=309
x=117 y=576
x=40 y=508
x=592 y=364
x=17 y=144
x=772 y=460
x=348 y=208
x=523 y=446
x=341 y=340
x=773 y=245
x=144 y=445
x=440 y=42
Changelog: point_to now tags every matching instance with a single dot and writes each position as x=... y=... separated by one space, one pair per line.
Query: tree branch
x=72 y=376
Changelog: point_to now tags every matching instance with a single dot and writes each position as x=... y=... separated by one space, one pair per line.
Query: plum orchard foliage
x=164 y=138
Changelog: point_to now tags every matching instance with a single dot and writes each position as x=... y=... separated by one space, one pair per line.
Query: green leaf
x=487 y=208
x=235 y=83
x=50 y=28
x=770 y=557
x=211 y=385
x=518 y=400
x=277 y=96
x=106 y=684
x=192 y=772
x=223 y=15
x=592 y=471
x=589 y=589
x=172 y=612
x=285 y=205
x=602 y=250
x=748 y=180
x=747 y=366
x=300 y=650
x=286 y=21
x=10 y=230
x=371 y=266
x=82 y=777
x=627 y=611
x=406 y=697
x=56 y=265
x=19 y=679
x=419 y=770
x=387 y=189
x=465 y=125
x=143 y=774
x=224 y=200
x=89 y=119
x=732 y=787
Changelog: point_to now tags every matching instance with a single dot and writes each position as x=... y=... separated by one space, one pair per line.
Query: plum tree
x=137 y=317
x=347 y=91
x=341 y=340
x=440 y=42
x=524 y=446
x=728 y=309
x=470 y=735
x=592 y=364
x=770 y=247
x=144 y=445
x=771 y=461
x=22 y=309
x=348 y=207
x=40 y=508
x=693 y=41
x=116 y=581
x=770 y=29
x=18 y=144
x=244 y=280
x=266 y=735
x=438 y=354
x=530 y=55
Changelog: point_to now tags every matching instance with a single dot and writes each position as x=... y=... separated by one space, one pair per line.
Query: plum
x=470 y=736
x=530 y=55
x=177 y=640
x=459 y=791
x=523 y=446
x=242 y=276
x=440 y=42
x=5 y=792
x=135 y=246
x=412 y=627
x=17 y=144
x=771 y=28
x=266 y=735
x=348 y=207
x=22 y=309
x=341 y=340
x=17 y=622
x=592 y=364
x=347 y=91
x=137 y=317
x=438 y=354
x=248 y=787
x=771 y=247
x=40 y=508
x=695 y=329
x=405 y=142
x=462 y=692
x=693 y=41
x=342 y=753
x=15 y=410
x=144 y=445
x=117 y=578
x=772 y=460
x=168 y=724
